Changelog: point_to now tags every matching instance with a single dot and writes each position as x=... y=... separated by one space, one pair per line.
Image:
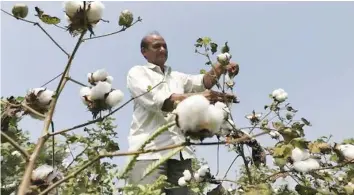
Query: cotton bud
x=114 y=98
x=20 y=10
x=100 y=90
x=187 y=175
x=95 y=12
x=299 y=155
x=224 y=58
x=126 y=18
x=71 y=7
x=182 y=182
x=280 y=95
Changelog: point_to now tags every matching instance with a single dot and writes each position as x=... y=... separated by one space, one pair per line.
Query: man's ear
x=142 y=50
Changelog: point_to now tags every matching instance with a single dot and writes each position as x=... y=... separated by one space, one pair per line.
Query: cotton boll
x=45 y=97
x=99 y=75
x=223 y=107
x=347 y=151
x=197 y=177
x=114 y=97
x=282 y=97
x=71 y=7
x=203 y=170
x=224 y=58
x=306 y=165
x=274 y=134
x=85 y=92
x=182 y=182
x=187 y=175
x=41 y=172
x=95 y=12
x=100 y=90
x=191 y=112
x=277 y=92
x=298 y=155
x=36 y=90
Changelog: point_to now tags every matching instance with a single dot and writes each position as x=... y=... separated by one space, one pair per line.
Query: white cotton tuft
x=224 y=107
x=280 y=95
x=223 y=58
x=109 y=79
x=42 y=172
x=15 y=153
x=198 y=178
x=187 y=175
x=306 y=165
x=71 y=7
x=191 y=112
x=100 y=90
x=215 y=117
x=298 y=155
x=45 y=97
x=203 y=170
x=85 y=91
x=95 y=12
x=347 y=151
x=114 y=98
x=99 y=75
x=274 y=134
x=182 y=182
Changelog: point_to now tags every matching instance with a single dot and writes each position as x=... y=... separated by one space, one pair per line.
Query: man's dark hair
x=143 y=43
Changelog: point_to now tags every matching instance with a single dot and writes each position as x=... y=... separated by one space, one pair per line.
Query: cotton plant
x=100 y=96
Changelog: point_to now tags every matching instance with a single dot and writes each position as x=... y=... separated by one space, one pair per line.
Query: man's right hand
x=214 y=96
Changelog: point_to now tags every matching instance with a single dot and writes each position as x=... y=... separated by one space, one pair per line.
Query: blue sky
x=305 y=48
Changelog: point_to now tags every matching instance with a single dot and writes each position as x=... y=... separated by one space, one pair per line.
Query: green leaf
x=299 y=143
x=281 y=162
x=206 y=41
x=278 y=125
x=20 y=98
x=214 y=48
x=149 y=88
x=202 y=71
x=225 y=48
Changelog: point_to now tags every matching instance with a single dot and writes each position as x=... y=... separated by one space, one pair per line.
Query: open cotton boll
x=42 y=172
x=347 y=151
x=298 y=155
x=99 y=75
x=215 y=117
x=95 y=12
x=277 y=92
x=45 y=97
x=191 y=112
x=36 y=90
x=223 y=107
x=187 y=175
x=306 y=165
x=85 y=91
x=71 y=7
x=182 y=182
x=197 y=177
x=114 y=97
x=282 y=97
x=203 y=170
x=223 y=58
x=100 y=90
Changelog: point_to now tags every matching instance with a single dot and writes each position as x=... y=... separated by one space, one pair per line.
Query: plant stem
x=14 y=144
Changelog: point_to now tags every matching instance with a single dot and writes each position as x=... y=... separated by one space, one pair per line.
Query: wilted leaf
x=306 y=122
x=225 y=48
x=214 y=47
x=208 y=63
x=50 y=19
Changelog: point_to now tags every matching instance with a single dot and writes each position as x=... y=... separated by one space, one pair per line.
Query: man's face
x=156 y=51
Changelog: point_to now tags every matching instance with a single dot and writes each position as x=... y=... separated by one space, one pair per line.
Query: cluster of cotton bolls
x=201 y=175
x=101 y=96
x=280 y=95
x=39 y=100
x=199 y=119
x=224 y=58
x=45 y=175
x=302 y=161
x=75 y=14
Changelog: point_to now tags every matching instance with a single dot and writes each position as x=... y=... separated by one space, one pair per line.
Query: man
x=152 y=110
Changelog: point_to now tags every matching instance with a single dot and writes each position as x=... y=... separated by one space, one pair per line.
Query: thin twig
x=28 y=171
x=233 y=161
x=242 y=154
x=113 y=33
x=15 y=145
x=52 y=80
x=37 y=24
x=75 y=81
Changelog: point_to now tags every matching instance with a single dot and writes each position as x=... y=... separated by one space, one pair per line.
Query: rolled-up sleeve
x=138 y=82
x=193 y=83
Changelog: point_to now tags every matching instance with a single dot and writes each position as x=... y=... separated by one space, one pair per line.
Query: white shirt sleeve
x=138 y=82
x=193 y=83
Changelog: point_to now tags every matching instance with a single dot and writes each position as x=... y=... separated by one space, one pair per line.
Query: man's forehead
x=155 y=38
